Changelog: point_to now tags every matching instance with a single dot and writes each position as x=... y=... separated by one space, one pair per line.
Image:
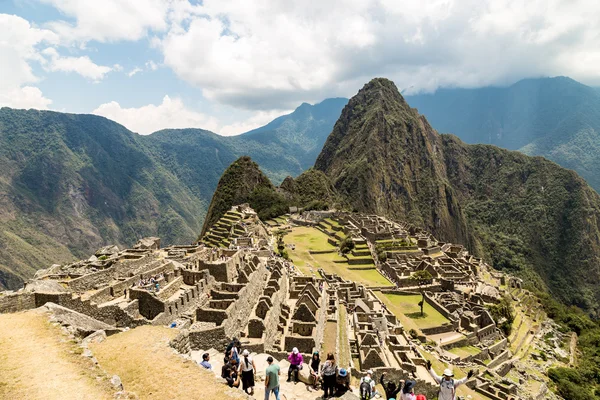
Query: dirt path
x=37 y=363
x=148 y=367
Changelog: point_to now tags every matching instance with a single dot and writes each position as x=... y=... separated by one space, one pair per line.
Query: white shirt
x=408 y=396
x=243 y=364
x=447 y=388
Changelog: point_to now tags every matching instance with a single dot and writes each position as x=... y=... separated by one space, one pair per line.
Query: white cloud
x=18 y=48
x=83 y=66
x=151 y=65
x=24 y=97
x=109 y=20
x=259 y=119
x=134 y=71
x=267 y=54
x=171 y=113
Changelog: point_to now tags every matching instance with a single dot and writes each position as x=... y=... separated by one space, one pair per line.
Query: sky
x=233 y=65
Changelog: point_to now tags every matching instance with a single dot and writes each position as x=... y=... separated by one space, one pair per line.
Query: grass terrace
x=307 y=239
x=406 y=309
x=465 y=351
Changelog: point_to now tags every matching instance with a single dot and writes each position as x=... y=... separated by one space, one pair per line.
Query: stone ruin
x=231 y=284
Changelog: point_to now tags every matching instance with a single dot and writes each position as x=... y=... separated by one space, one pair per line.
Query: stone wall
x=181 y=342
x=149 y=305
x=16 y=302
x=112 y=315
x=239 y=313
x=505 y=355
x=271 y=320
x=208 y=338
x=92 y=281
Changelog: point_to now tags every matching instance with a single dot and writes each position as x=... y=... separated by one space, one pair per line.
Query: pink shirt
x=295 y=359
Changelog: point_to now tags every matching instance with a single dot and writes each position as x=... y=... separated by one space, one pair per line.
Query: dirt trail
x=36 y=362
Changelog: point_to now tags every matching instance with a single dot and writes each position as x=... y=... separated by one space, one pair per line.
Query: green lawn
x=407 y=310
x=465 y=351
x=306 y=239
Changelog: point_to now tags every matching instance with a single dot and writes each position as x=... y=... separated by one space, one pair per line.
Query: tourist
x=247 y=369
x=408 y=391
x=328 y=373
x=314 y=368
x=295 y=359
x=232 y=351
x=205 y=361
x=342 y=383
x=370 y=383
x=390 y=388
x=447 y=383
x=272 y=379
x=229 y=373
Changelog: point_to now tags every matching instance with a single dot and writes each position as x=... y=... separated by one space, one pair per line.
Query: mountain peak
x=236 y=186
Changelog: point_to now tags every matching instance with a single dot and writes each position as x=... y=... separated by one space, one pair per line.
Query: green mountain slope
x=557 y=118
x=72 y=183
x=524 y=214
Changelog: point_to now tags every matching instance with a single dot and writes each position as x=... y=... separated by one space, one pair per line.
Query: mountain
x=557 y=118
x=73 y=183
x=241 y=182
x=523 y=214
x=304 y=131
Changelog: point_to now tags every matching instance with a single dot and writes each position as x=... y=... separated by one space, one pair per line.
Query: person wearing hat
x=247 y=369
x=342 y=382
x=370 y=381
x=447 y=382
x=295 y=359
x=408 y=391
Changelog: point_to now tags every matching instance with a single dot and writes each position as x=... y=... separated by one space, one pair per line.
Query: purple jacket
x=295 y=359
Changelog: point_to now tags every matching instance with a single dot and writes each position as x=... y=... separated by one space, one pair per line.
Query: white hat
x=370 y=372
x=295 y=350
x=245 y=353
x=448 y=372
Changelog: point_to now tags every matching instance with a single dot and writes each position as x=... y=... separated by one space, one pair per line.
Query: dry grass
x=37 y=362
x=148 y=367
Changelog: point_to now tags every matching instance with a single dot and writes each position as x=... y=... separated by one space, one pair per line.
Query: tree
x=421 y=278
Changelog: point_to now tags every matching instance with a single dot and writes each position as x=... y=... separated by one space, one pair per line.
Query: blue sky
x=232 y=65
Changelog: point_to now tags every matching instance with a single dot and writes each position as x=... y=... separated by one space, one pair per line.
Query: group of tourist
x=239 y=368
x=151 y=282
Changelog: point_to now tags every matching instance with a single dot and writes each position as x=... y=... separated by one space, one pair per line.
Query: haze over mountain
x=524 y=214
x=72 y=183
x=557 y=118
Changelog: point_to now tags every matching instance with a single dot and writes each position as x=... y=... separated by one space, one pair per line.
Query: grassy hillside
x=72 y=183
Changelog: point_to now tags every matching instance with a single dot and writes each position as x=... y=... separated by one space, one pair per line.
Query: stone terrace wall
x=208 y=338
x=116 y=290
x=17 y=302
x=112 y=315
x=271 y=320
x=239 y=312
x=92 y=281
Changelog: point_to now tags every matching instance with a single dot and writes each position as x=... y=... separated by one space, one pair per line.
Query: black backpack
x=365 y=390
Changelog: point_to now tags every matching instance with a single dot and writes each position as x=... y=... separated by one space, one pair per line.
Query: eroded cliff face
x=524 y=214
x=386 y=159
